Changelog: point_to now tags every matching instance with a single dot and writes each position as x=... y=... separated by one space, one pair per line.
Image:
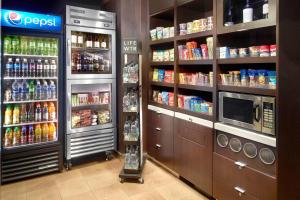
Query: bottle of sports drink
x=8 y=115
x=32 y=70
x=31 y=135
x=53 y=68
x=46 y=69
x=39 y=68
x=45 y=133
x=38 y=90
x=31 y=90
x=38 y=133
x=32 y=46
x=45 y=90
x=38 y=112
x=23 y=139
x=47 y=46
x=9 y=68
x=54 y=46
x=25 y=68
x=16 y=115
x=8 y=137
x=24 y=45
x=52 y=132
x=52 y=90
x=17 y=136
x=40 y=46
x=17 y=68
x=15 y=91
x=31 y=113
x=45 y=112
x=15 y=45
x=24 y=114
x=7 y=45
x=52 y=112
x=25 y=91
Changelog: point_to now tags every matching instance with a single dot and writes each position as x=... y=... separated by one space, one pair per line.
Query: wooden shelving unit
x=248 y=60
x=162 y=84
x=194 y=35
x=196 y=62
x=248 y=90
x=196 y=87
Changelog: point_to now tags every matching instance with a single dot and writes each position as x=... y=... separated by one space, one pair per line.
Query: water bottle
x=38 y=90
x=15 y=91
x=32 y=69
x=45 y=90
x=25 y=68
x=39 y=68
x=46 y=69
x=52 y=90
x=17 y=68
x=25 y=91
x=9 y=68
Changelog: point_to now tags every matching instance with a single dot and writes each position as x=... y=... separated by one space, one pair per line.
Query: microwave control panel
x=269 y=117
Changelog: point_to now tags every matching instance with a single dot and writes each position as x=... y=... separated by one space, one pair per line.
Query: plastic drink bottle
x=15 y=45
x=25 y=68
x=54 y=46
x=46 y=69
x=45 y=112
x=16 y=136
x=17 y=68
x=24 y=116
x=52 y=112
x=32 y=46
x=45 y=90
x=15 y=91
x=31 y=113
x=8 y=115
x=39 y=68
x=38 y=134
x=7 y=45
x=16 y=115
x=52 y=132
x=40 y=47
x=38 y=90
x=45 y=133
x=25 y=91
x=31 y=90
x=8 y=137
x=53 y=68
x=32 y=70
x=9 y=67
x=52 y=90
x=38 y=112
x=31 y=135
x=47 y=47
x=24 y=45
x=23 y=139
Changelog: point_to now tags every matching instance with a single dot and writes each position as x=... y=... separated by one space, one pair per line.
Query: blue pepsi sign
x=18 y=19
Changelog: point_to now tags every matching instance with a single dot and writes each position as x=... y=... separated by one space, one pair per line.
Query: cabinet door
x=151 y=135
x=193 y=152
x=159 y=5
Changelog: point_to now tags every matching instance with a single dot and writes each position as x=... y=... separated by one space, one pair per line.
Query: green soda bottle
x=7 y=45
x=54 y=47
x=15 y=45
x=40 y=46
x=32 y=46
x=47 y=47
x=24 y=46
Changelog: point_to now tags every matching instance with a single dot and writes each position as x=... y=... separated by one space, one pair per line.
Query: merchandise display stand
x=131 y=118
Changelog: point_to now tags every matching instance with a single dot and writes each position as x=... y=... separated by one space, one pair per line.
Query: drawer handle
x=158 y=129
x=158 y=112
x=241 y=165
x=240 y=190
x=158 y=146
x=190 y=119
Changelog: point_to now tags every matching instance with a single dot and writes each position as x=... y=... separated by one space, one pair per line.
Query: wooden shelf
x=162 y=105
x=164 y=63
x=194 y=35
x=196 y=62
x=195 y=114
x=162 y=84
x=248 y=90
x=196 y=87
x=248 y=60
x=162 y=41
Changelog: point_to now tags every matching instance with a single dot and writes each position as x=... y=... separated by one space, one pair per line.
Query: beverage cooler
x=91 y=83
x=31 y=91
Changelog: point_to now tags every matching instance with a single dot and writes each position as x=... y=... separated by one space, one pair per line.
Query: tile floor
x=99 y=181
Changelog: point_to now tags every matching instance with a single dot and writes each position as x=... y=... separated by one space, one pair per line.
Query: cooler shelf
x=29 y=123
x=29 y=101
x=29 y=56
x=30 y=78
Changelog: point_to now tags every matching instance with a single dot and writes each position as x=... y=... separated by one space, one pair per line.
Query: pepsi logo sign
x=14 y=18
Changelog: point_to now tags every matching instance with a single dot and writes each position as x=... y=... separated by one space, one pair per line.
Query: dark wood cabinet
x=193 y=153
x=230 y=181
x=158 y=5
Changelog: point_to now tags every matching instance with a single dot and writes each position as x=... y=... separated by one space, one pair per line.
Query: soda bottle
x=25 y=91
x=45 y=90
x=91 y=64
x=38 y=134
x=24 y=45
x=52 y=132
x=25 y=68
x=32 y=70
x=54 y=46
x=79 y=63
x=9 y=68
x=23 y=138
x=31 y=113
x=32 y=46
x=45 y=133
x=15 y=91
x=40 y=47
x=30 y=135
x=24 y=114
x=17 y=68
x=53 y=68
x=45 y=112
x=47 y=47
x=46 y=69
x=7 y=45
x=38 y=112
x=52 y=90
x=31 y=90
x=16 y=115
x=16 y=136
x=52 y=112
x=8 y=115
x=39 y=68
x=15 y=45
x=8 y=137
x=38 y=90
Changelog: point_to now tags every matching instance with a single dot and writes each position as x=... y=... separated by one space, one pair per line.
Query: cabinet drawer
x=233 y=182
x=160 y=122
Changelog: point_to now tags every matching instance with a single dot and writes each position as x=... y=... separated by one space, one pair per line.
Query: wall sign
x=130 y=46
x=19 y=19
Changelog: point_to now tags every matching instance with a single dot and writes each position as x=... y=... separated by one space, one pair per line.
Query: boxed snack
x=171 y=99
x=155 y=95
x=183 y=29
x=161 y=75
x=153 y=35
x=165 y=97
x=180 y=99
x=172 y=56
x=159 y=97
x=159 y=32
x=155 y=75
x=172 y=31
x=166 y=32
x=166 y=56
x=210 y=46
x=169 y=76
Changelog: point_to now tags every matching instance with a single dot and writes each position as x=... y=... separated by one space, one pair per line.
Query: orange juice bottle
x=8 y=115
x=38 y=134
x=45 y=133
x=16 y=115
x=52 y=132
x=52 y=112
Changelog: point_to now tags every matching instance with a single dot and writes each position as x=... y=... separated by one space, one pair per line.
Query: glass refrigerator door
x=91 y=105
x=91 y=53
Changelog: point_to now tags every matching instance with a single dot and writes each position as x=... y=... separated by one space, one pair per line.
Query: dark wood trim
x=196 y=87
x=162 y=84
x=196 y=62
x=248 y=90
x=194 y=35
x=248 y=60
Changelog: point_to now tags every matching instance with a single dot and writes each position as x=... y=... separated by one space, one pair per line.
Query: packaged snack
x=243 y=52
x=153 y=35
x=236 y=78
x=154 y=56
x=180 y=99
x=272 y=79
x=182 y=78
x=264 y=51
x=210 y=46
x=161 y=75
x=189 y=27
x=252 y=78
x=244 y=77
x=197 y=55
x=159 y=97
x=261 y=78
x=203 y=24
x=166 y=32
x=172 y=56
x=197 y=106
x=172 y=31
x=211 y=78
x=187 y=102
x=155 y=95
x=234 y=53
x=210 y=108
x=166 y=56
x=224 y=52
x=155 y=75
x=231 y=78
x=169 y=76
x=209 y=23
x=254 y=51
x=204 y=107
x=196 y=26
x=159 y=32
x=273 y=49
x=183 y=29
x=204 y=50
x=171 y=99
x=165 y=98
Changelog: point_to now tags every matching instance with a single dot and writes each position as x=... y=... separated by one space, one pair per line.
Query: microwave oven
x=252 y=112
